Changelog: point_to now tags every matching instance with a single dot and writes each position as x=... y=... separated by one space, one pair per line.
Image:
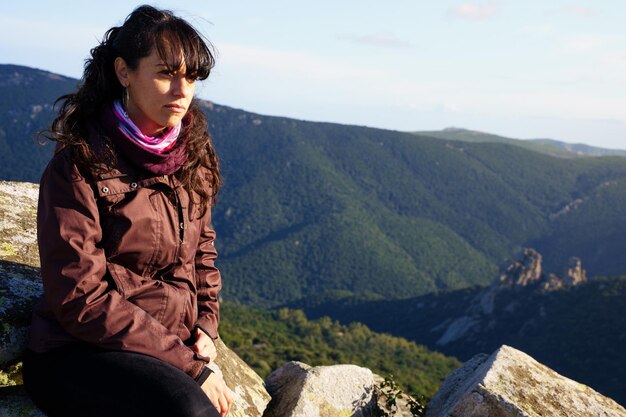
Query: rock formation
x=518 y=276
x=510 y=383
x=18 y=234
x=525 y=272
x=325 y=391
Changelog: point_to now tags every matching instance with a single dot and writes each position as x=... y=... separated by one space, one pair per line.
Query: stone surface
x=250 y=398
x=20 y=283
x=509 y=383
x=575 y=274
x=20 y=287
x=524 y=272
x=299 y=390
x=18 y=230
x=14 y=402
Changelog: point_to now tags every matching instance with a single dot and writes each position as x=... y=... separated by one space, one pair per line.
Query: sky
x=521 y=69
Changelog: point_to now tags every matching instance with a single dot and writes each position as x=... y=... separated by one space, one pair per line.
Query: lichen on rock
x=509 y=383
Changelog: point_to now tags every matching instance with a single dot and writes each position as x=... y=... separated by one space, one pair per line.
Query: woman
x=130 y=310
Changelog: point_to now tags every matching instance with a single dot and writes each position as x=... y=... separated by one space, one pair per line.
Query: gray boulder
x=18 y=231
x=250 y=398
x=20 y=287
x=20 y=281
x=509 y=383
x=299 y=390
x=14 y=402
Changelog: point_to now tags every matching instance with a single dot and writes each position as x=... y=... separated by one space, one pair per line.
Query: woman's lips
x=175 y=108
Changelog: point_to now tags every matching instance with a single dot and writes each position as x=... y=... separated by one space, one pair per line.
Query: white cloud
x=384 y=39
x=590 y=43
x=577 y=10
x=294 y=64
x=474 y=11
x=583 y=44
x=538 y=30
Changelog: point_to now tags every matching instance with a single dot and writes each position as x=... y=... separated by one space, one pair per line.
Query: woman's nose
x=182 y=87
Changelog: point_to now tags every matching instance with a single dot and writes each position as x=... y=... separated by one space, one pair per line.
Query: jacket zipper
x=181 y=236
x=181 y=219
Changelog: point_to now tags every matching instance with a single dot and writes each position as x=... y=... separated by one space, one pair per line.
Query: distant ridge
x=546 y=146
x=311 y=207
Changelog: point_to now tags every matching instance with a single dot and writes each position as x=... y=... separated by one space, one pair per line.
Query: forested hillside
x=579 y=332
x=371 y=211
x=266 y=340
x=311 y=208
x=26 y=98
x=545 y=146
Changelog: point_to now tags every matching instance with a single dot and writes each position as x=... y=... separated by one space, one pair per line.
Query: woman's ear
x=121 y=70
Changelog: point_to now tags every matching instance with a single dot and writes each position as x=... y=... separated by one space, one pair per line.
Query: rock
x=553 y=283
x=575 y=274
x=20 y=287
x=14 y=402
x=18 y=231
x=299 y=390
x=523 y=273
x=528 y=272
x=20 y=283
x=456 y=330
x=250 y=398
x=509 y=383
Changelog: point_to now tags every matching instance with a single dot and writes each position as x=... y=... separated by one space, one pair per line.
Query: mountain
x=25 y=108
x=546 y=146
x=310 y=208
x=571 y=323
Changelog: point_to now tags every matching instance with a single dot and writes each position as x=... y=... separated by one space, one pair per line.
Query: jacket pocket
x=155 y=298
x=132 y=228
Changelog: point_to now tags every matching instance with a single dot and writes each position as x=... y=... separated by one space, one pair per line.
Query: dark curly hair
x=144 y=30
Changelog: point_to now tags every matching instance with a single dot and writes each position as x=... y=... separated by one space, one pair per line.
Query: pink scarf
x=158 y=144
x=159 y=163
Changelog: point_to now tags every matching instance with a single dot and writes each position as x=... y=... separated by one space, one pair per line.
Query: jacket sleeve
x=208 y=280
x=74 y=273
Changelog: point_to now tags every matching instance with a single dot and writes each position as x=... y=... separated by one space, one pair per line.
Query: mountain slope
x=406 y=216
x=579 y=332
x=311 y=208
x=546 y=146
x=268 y=339
x=25 y=108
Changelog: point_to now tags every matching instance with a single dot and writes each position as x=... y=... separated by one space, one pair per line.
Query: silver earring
x=125 y=99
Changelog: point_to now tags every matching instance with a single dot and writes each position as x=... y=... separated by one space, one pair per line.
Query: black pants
x=84 y=381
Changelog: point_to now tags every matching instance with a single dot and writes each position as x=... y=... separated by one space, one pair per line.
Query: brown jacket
x=127 y=264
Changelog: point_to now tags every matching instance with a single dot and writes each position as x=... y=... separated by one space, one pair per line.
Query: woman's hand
x=204 y=345
x=219 y=394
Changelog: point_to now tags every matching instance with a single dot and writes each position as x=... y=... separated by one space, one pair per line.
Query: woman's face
x=157 y=97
